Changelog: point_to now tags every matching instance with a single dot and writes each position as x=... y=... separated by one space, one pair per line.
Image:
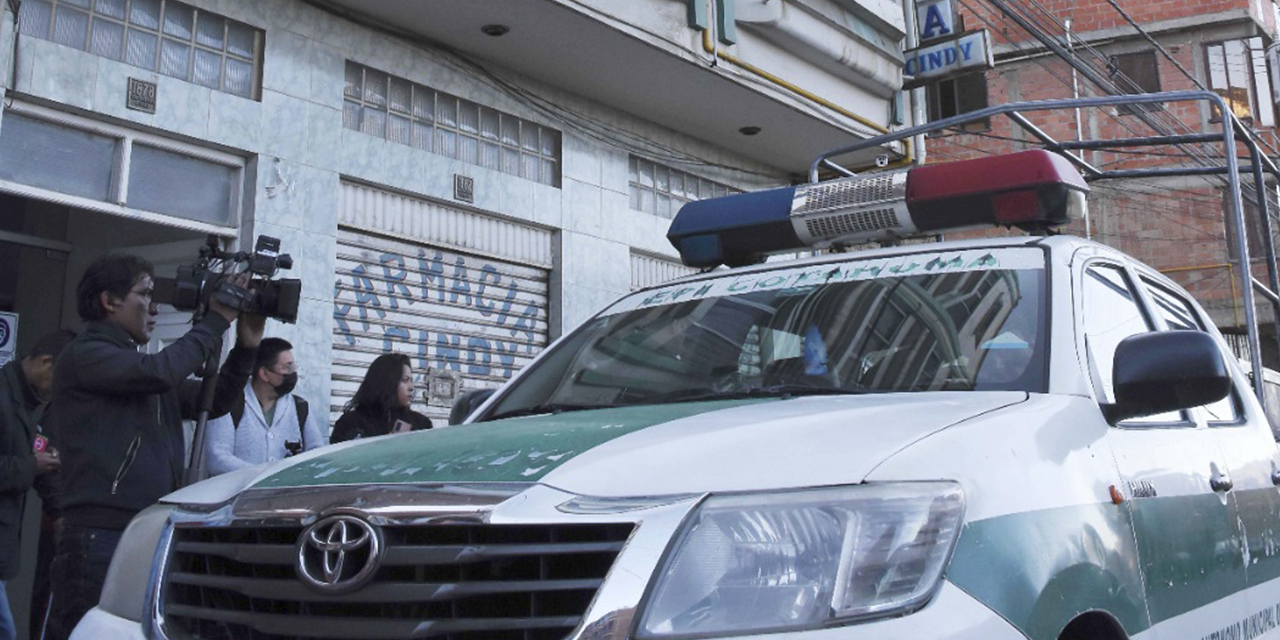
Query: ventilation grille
x=452 y=582
x=850 y=223
x=852 y=192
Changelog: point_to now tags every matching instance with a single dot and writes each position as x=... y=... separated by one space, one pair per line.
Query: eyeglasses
x=287 y=369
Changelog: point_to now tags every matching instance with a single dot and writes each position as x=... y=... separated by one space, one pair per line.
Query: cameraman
x=118 y=418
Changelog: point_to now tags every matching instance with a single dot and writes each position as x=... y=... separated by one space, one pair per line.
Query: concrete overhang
x=663 y=77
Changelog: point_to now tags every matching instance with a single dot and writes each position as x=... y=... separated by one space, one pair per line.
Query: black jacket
x=118 y=421
x=361 y=424
x=19 y=413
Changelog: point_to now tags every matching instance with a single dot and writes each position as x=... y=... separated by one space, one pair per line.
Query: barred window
x=398 y=110
x=661 y=190
x=165 y=36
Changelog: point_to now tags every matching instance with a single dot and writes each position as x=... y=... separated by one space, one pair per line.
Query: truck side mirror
x=1166 y=371
x=467 y=403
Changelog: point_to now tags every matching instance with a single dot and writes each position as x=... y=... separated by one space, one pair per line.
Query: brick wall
x=1176 y=225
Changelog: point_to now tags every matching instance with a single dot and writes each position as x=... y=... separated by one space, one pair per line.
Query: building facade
x=458 y=181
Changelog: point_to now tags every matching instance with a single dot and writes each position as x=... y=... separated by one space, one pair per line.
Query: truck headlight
x=752 y=563
x=124 y=593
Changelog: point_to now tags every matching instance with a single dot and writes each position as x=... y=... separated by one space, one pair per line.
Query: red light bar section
x=1011 y=172
x=1027 y=189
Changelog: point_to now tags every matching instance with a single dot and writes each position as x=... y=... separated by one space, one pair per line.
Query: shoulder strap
x=237 y=411
x=302 y=420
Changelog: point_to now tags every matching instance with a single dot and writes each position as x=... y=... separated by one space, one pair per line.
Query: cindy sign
x=942 y=60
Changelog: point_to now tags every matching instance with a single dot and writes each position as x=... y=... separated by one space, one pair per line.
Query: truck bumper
x=951 y=615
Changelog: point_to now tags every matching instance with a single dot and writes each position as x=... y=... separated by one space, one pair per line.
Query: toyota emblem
x=338 y=554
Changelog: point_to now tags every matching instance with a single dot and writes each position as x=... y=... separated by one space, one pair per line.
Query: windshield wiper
x=771 y=391
x=548 y=408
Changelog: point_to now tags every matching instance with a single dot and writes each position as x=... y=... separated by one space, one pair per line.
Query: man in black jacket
x=118 y=416
x=24 y=392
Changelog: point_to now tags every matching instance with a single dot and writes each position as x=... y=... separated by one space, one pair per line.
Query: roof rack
x=1259 y=165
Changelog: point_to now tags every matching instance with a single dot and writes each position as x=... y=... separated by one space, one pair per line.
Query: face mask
x=287 y=384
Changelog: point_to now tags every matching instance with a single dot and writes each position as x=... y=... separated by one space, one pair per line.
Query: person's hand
x=249 y=330
x=47 y=461
x=230 y=313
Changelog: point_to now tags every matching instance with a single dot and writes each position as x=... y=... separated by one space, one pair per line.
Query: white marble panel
x=613 y=169
x=590 y=262
x=255 y=13
x=324 y=135
x=395 y=164
x=320 y=204
x=357 y=155
x=112 y=87
x=582 y=206
x=284 y=118
x=27 y=50
x=432 y=175
x=517 y=196
x=235 y=122
x=7 y=31
x=313 y=350
x=287 y=65
x=182 y=107
x=548 y=206
x=328 y=28
x=614 y=214
x=580 y=159
x=299 y=17
x=281 y=193
x=62 y=74
x=328 y=69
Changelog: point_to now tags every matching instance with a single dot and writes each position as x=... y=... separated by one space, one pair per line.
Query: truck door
x=1242 y=432
x=1190 y=542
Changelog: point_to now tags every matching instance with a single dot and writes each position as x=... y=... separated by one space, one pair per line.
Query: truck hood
x=726 y=445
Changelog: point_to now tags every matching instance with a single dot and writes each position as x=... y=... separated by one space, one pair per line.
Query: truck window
x=1179 y=313
x=1111 y=313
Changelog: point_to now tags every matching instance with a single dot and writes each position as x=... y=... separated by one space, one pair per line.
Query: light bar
x=1032 y=190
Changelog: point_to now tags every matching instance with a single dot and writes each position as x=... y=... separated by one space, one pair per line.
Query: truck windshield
x=962 y=320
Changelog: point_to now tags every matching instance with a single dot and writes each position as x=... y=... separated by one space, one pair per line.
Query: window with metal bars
x=165 y=36
x=661 y=190
x=393 y=108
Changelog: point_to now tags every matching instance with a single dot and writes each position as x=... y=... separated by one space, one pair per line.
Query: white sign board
x=945 y=59
x=8 y=336
x=935 y=19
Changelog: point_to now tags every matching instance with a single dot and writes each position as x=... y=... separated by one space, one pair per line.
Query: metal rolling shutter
x=462 y=294
x=647 y=270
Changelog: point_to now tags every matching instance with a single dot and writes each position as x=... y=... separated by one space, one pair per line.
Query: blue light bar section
x=735 y=230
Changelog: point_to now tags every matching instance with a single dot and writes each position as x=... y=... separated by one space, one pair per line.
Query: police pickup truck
x=1034 y=437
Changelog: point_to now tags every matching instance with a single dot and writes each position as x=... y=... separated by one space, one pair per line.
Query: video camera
x=209 y=277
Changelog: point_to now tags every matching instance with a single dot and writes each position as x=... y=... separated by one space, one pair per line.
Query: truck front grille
x=457 y=582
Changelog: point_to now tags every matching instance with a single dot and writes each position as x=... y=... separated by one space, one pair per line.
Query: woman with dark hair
x=381 y=404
